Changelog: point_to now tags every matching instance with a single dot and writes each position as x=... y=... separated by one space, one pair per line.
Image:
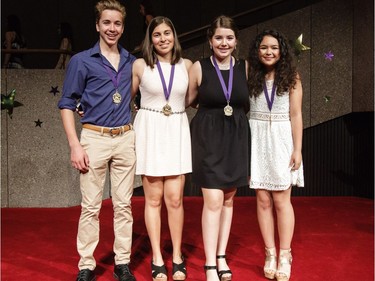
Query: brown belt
x=115 y=131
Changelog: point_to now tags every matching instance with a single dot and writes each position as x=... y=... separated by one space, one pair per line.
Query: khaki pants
x=117 y=153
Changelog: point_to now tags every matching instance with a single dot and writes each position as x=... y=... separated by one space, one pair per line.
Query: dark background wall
x=40 y=20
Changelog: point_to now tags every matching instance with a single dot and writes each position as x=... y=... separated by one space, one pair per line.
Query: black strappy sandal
x=221 y=273
x=156 y=270
x=179 y=268
x=210 y=267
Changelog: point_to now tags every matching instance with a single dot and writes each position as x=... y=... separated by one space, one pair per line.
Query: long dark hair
x=14 y=24
x=285 y=71
x=147 y=47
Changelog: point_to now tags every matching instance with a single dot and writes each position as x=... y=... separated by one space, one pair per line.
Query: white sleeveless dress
x=163 y=145
x=272 y=144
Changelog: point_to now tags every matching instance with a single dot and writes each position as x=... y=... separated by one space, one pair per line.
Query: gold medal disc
x=116 y=98
x=228 y=110
x=167 y=110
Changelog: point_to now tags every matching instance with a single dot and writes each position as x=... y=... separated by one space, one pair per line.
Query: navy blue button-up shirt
x=88 y=80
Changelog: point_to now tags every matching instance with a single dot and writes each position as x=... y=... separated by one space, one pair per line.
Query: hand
x=295 y=160
x=79 y=159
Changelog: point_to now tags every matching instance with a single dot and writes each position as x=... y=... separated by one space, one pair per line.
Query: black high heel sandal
x=223 y=272
x=179 y=268
x=156 y=270
x=210 y=267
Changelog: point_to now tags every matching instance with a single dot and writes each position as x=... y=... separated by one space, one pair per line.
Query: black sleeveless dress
x=220 y=143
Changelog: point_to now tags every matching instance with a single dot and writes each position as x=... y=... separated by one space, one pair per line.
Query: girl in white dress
x=276 y=144
x=163 y=145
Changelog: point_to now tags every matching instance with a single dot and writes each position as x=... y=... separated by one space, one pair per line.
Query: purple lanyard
x=115 y=78
x=269 y=100
x=227 y=91
x=167 y=92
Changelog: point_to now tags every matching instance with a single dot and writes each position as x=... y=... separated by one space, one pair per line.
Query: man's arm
x=78 y=155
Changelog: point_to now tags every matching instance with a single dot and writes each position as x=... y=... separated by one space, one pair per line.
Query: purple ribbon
x=269 y=100
x=115 y=78
x=227 y=91
x=167 y=92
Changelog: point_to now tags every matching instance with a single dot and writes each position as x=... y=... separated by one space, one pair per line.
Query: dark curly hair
x=285 y=72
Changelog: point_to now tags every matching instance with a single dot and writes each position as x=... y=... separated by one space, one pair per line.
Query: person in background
x=14 y=40
x=163 y=138
x=276 y=139
x=66 y=37
x=146 y=10
x=100 y=78
x=220 y=139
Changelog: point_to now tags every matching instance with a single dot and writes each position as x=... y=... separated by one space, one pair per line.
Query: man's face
x=110 y=26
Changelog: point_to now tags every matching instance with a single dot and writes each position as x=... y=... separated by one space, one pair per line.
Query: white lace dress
x=163 y=145
x=272 y=144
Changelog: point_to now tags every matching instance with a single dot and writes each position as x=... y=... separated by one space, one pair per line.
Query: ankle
x=178 y=258
x=211 y=272
x=270 y=251
x=285 y=252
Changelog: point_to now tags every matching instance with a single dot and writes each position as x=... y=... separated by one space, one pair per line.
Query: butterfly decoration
x=8 y=102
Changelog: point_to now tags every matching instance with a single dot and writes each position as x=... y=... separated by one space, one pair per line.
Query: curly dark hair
x=285 y=72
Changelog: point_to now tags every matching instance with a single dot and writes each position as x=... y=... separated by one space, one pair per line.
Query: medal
x=116 y=97
x=228 y=110
x=167 y=110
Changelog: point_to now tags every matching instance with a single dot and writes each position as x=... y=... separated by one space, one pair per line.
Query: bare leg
x=211 y=215
x=225 y=226
x=265 y=217
x=153 y=188
x=285 y=217
x=285 y=224
x=173 y=194
x=267 y=228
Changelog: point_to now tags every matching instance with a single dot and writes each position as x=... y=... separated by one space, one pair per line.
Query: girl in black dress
x=220 y=139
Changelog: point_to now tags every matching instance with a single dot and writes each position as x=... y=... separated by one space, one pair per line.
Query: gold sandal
x=270 y=263
x=285 y=265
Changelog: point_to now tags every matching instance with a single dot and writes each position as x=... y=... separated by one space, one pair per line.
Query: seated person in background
x=66 y=35
x=14 y=40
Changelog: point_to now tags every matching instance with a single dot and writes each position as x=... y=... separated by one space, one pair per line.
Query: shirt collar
x=95 y=51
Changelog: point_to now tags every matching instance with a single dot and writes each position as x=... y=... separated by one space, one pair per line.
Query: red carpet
x=334 y=240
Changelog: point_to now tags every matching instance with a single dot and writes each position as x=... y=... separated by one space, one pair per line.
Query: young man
x=101 y=79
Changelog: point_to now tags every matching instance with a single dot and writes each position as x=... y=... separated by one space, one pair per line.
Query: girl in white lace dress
x=276 y=144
